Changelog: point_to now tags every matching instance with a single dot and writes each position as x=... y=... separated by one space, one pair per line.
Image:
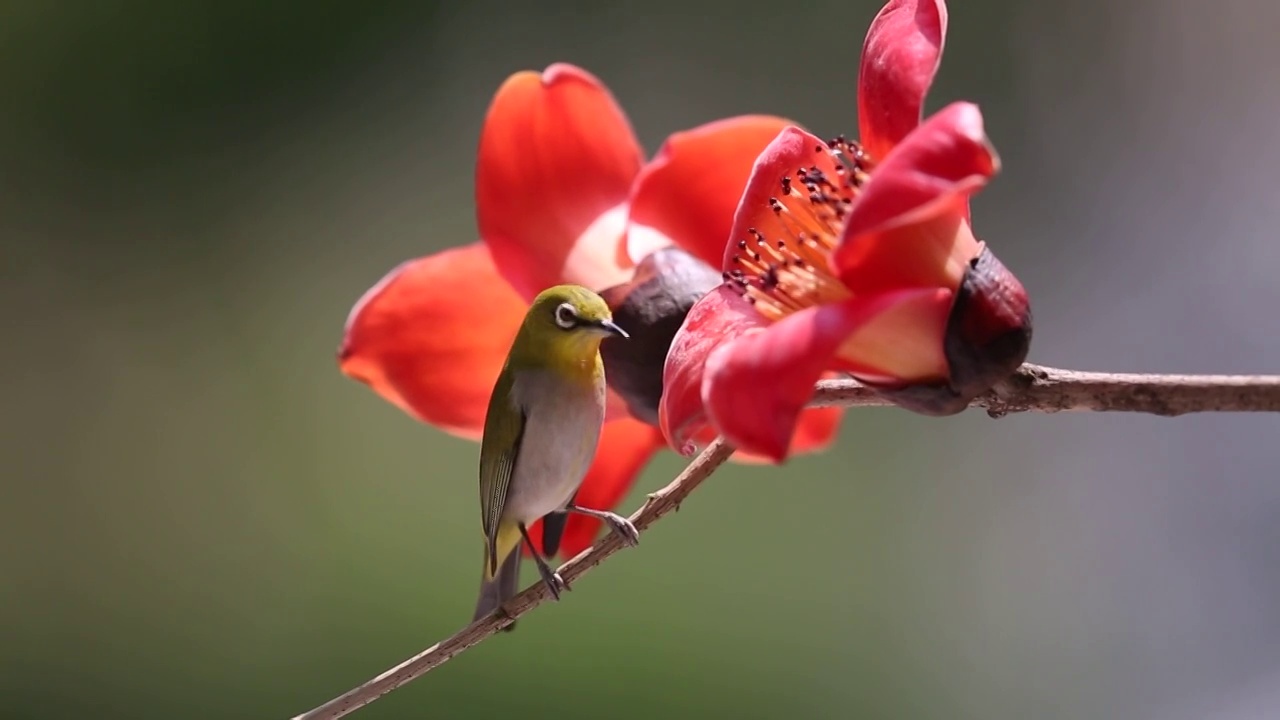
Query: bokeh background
x=202 y=518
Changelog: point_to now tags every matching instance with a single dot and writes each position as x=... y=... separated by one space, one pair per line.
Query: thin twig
x=658 y=504
x=1032 y=388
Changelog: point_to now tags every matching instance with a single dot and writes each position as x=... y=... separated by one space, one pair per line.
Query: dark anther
x=769 y=280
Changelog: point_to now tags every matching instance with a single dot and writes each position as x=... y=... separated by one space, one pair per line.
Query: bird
x=541 y=430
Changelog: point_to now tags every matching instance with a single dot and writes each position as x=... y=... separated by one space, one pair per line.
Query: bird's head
x=567 y=323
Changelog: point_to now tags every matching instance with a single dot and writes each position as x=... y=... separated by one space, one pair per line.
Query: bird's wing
x=504 y=429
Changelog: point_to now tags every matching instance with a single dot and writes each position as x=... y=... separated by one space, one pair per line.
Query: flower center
x=786 y=267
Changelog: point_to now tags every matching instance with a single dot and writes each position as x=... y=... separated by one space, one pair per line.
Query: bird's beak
x=612 y=328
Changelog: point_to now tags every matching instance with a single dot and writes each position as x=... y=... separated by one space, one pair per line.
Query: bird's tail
x=501 y=587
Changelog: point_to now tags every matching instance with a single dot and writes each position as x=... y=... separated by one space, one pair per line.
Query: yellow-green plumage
x=541 y=431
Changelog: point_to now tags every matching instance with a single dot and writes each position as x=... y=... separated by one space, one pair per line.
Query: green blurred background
x=202 y=518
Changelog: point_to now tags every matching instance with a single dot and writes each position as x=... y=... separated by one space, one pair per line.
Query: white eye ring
x=566 y=316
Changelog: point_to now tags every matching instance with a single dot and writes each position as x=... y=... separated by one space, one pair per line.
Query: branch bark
x=1031 y=389
x=1035 y=388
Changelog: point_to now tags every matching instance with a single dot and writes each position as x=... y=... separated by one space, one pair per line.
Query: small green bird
x=540 y=436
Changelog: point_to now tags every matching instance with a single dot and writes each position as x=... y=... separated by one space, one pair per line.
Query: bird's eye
x=566 y=316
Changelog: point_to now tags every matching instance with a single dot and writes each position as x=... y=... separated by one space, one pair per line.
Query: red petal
x=719 y=316
x=625 y=448
x=815 y=430
x=908 y=226
x=757 y=385
x=899 y=59
x=792 y=149
x=897 y=337
x=432 y=335
x=556 y=161
x=688 y=193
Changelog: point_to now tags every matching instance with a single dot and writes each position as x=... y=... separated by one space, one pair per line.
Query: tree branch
x=658 y=504
x=1034 y=388
x=1031 y=388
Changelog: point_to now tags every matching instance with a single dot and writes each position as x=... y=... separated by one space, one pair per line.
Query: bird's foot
x=622 y=527
x=552 y=580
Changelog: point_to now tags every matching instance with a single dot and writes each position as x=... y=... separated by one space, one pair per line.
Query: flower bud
x=987 y=338
x=651 y=306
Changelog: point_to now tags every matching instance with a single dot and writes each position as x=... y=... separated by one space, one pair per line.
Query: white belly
x=561 y=431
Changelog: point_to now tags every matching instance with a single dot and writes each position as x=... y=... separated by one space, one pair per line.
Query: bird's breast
x=562 y=428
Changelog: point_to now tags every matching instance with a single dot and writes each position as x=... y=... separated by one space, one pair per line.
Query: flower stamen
x=781 y=275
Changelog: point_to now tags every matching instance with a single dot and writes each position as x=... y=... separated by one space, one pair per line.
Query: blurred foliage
x=130 y=82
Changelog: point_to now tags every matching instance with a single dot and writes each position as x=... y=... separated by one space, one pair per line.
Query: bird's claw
x=623 y=528
x=554 y=582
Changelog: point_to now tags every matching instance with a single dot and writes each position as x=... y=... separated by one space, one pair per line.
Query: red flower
x=857 y=259
x=562 y=195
